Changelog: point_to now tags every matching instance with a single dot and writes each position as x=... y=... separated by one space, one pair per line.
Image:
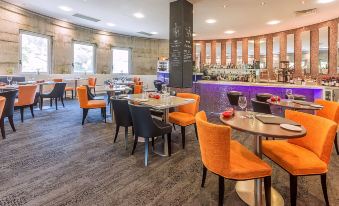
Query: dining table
x=295 y=104
x=164 y=103
x=76 y=82
x=250 y=191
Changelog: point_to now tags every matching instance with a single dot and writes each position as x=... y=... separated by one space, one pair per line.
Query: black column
x=181 y=44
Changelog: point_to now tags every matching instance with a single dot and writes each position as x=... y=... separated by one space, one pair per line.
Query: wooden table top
x=162 y=103
x=292 y=105
x=116 y=88
x=256 y=127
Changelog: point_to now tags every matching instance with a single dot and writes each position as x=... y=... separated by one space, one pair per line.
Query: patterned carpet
x=54 y=160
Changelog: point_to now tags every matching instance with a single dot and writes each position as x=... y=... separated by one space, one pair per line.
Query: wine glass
x=164 y=88
x=242 y=102
x=289 y=95
x=9 y=79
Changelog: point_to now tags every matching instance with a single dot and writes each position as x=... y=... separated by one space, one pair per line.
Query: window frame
x=94 y=56
x=129 y=58
x=49 y=51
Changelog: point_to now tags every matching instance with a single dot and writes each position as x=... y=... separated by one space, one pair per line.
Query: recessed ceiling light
x=154 y=32
x=139 y=15
x=262 y=3
x=324 y=1
x=229 y=32
x=65 y=8
x=273 y=22
x=210 y=21
x=110 y=24
x=194 y=34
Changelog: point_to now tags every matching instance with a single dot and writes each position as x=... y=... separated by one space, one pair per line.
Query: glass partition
x=323 y=50
x=250 y=51
x=239 y=52
x=197 y=55
x=208 y=53
x=228 y=53
x=306 y=52
x=218 y=53
x=276 y=52
x=290 y=50
x=262 y=53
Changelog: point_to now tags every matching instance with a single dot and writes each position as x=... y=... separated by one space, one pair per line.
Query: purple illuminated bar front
x=214 y=94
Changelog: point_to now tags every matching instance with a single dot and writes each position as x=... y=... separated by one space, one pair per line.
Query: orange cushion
x=96 y=104
x=181 y=119
x=245 y=165
x=293 y=158
x=69 y=88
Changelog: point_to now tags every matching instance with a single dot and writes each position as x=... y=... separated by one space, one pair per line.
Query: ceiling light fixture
x=229 y=32
x=210 y=21
x=110 y=24
x=194 y=34
x=154 y=32
x=139 y=15
x=273 y=22
x=65 y=8
x=324 y=1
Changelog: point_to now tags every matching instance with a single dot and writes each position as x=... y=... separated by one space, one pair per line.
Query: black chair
x=261 y=107
x=263 y=97
x=297 y=97
x=8 y=110
x=91 y=96
x=56 y=93
x=122 y=117
x=147 y=127
x=233 y=97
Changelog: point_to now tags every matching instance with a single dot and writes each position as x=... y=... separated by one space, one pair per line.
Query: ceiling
x=245 y=17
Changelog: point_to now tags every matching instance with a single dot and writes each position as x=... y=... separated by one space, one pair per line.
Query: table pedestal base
x=245 y=190
x=162 y=149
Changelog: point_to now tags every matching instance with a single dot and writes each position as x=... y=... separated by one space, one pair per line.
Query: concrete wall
x=145 y=52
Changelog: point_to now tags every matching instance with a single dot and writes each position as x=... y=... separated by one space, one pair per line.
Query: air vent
x=88 y=18
x=145 y=33
x=306 y=12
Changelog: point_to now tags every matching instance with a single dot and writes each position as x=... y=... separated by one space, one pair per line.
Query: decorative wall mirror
x=290 y=50
x=239 y=52
x=306 y=52
x=276 y=52
x=263 y=53
x=250 y=51
x=323 y=50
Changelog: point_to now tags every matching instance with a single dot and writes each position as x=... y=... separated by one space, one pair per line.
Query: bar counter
x=214 y=93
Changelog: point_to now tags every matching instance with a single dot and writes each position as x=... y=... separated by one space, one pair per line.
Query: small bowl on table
x=229 y=112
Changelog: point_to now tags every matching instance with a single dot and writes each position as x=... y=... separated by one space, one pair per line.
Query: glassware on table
x=15 y=83
x=242 y=102
x=289 y=95
x=9 y=79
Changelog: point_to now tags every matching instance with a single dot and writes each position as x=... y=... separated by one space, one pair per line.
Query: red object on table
x=228 y=113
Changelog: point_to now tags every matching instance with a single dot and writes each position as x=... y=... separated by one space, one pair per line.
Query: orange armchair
x=184 y=116
x=2 y=104
x=86 y=104
x=331 y=112
x=26 y=97
x=92 y=82
x=308 y=155
x=228 y=158
x=137 y=89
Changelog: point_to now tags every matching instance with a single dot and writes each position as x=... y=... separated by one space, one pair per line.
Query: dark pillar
x=181 y=44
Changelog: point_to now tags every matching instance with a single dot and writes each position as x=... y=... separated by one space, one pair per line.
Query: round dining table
x=294 y=105
x=251 y=191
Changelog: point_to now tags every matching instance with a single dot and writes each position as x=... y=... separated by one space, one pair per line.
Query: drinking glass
x=242 y=102
x=15 y=83
x=164 y=88
x=9 y=79
x=289 y=95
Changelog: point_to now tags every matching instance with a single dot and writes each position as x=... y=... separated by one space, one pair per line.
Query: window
x=83 y=58
x=121 y=60
x=35 y=52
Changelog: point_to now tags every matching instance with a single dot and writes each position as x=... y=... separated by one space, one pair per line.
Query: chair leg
x=32 y=110
x=72 y=94
x=84 y=115
x=62 y=101
x=174 y=127
x=11 y=122
x=22 y=113
x=183 y=137
x=336 y=143
x=56 y=103
x=196 y=131
x=221 y=190
x=65 y=94
x=293 y=189
x=135 y=144
x=94 y=91
x=50 y=102
x=146 y=151
x=126 y=137
x=2 y=125
x=204 y=172
x=324 y=187
x=116 y=132
x=169 y=142
x=41 y=102
x=267 y=184
x=104 y=111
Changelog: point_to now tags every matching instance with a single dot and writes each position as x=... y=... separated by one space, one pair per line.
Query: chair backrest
x=58 y=90
x=192 y=108
x=2 y=104
x=263 y=97
x=122 y=115
x=89 y=93
x=57 y=80
x=261 y=107
x=320 y=133
x=330 y=110
x=82 y=96
x=92 y=81
x=9 y=105
x=137 y=89
x=214 y=141
x=233 y=97
x=142 y=121
x=26 y=95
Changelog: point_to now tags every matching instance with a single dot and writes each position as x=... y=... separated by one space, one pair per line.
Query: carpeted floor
x=54 y=160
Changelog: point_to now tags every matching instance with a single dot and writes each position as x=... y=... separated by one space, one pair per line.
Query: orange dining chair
x=330 y=111
x=92 y=82
x=26 y=97
x=67 y=89
x=86 y=104
x=2 y=104
x=184 y=115
x=57 y=80
x=309 y=155
x=137 y=89
x=228 y=158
